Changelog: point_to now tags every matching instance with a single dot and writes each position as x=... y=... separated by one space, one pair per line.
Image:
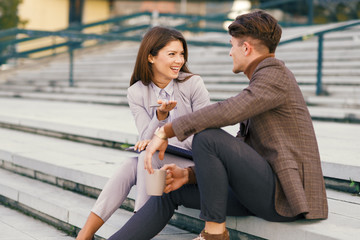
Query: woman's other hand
x=141 y=145
x=156 y=144
x=164 y=108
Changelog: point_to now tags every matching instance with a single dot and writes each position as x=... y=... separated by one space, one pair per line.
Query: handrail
x=311 y=34
x=74 y=36
x=75 y=32
x=115 y=19
x=320 y=34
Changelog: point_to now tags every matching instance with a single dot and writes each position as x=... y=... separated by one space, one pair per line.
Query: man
x=271 y=169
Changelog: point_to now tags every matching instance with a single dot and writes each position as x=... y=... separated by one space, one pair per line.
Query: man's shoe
x=207 y=236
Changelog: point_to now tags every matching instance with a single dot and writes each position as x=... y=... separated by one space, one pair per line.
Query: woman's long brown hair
x=154 y=40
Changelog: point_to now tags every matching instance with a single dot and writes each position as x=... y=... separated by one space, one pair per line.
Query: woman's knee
x=155 y=161
x=126 y=172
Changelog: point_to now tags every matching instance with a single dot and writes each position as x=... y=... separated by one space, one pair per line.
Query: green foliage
x=8 y=14
x=8 y=19
x=355 y=185
x=125 y=145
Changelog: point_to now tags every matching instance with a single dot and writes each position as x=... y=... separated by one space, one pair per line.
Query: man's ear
x=151 y=58
x=247 y=48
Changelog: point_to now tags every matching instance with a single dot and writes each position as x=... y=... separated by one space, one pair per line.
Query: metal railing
x=320 y=35
x=118 y=29
x=122 y=29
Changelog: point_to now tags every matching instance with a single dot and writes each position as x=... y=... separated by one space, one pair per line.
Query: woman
x=161 y=89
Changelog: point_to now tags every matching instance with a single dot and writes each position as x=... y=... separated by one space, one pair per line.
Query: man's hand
x=155 y=144
x=176 y=177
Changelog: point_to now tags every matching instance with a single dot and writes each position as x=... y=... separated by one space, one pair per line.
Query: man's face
x=237 y=52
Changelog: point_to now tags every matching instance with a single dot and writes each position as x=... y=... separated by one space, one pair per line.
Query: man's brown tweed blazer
x=280 y=130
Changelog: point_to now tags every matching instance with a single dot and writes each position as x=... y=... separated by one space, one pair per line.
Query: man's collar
x=252 y=66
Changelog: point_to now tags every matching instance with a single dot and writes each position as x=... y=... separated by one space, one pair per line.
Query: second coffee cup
x=155 y=183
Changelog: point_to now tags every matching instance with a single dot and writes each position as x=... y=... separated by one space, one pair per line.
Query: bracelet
x=161 y=135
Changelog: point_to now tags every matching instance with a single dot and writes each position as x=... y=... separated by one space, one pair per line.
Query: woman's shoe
x=207 y=236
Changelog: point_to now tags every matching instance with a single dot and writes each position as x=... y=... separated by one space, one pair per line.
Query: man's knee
x=204 y=137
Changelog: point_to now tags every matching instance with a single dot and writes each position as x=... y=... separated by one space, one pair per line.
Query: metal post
x=310 y=12
x=319 y=89
x=183 y=6
x=71 y=67
x=154 y=19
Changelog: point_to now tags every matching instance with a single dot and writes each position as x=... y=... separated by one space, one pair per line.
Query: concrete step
x=112 y=126
x=209 y=69
x=343 y=96
x=104 y=99
x=308 y=79
x=93 y=121
x=307 y=90
x=67 y=90
x=64 y=82
x=64 y=209
x=15 y=225
x=82 y=167
x=302 y=80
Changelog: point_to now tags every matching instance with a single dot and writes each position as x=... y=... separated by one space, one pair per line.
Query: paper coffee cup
x=155 y=183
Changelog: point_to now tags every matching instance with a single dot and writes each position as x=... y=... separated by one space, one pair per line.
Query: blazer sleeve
x=261 y=95
x=193 y=96
x=199 y=94
x=145 y=119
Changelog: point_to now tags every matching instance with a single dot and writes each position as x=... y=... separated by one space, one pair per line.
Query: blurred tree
x=8 y=19
x=344 y=12
x=8 y=14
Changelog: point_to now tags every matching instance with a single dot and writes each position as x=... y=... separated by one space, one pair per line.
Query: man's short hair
x=258 y=25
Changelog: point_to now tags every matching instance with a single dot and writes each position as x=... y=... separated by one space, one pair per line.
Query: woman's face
x=167 y=63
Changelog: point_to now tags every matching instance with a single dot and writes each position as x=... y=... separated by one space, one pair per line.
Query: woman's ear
x=151 y=58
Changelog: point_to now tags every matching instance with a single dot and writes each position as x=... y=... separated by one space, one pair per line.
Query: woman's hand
x=165 y=107
x=141 y=145
x=156 y=144
x=176 y=177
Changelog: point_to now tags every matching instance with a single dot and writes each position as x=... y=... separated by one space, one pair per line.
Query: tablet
x=171 y=149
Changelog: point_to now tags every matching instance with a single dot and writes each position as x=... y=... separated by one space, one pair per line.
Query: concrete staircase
x=60 y=144
x=102 y=76
x=56 y=156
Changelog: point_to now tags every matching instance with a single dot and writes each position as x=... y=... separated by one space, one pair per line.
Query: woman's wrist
x=161 y=115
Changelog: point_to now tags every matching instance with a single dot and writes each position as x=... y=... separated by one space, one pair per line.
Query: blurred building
x=56 y=14
x=60 y=14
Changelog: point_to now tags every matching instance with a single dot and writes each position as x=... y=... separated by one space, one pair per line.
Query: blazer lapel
x=152 y=100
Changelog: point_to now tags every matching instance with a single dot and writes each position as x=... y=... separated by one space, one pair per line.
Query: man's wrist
x=186 y=175
x=169 y=130
x=191 y=178
x=161 y=133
